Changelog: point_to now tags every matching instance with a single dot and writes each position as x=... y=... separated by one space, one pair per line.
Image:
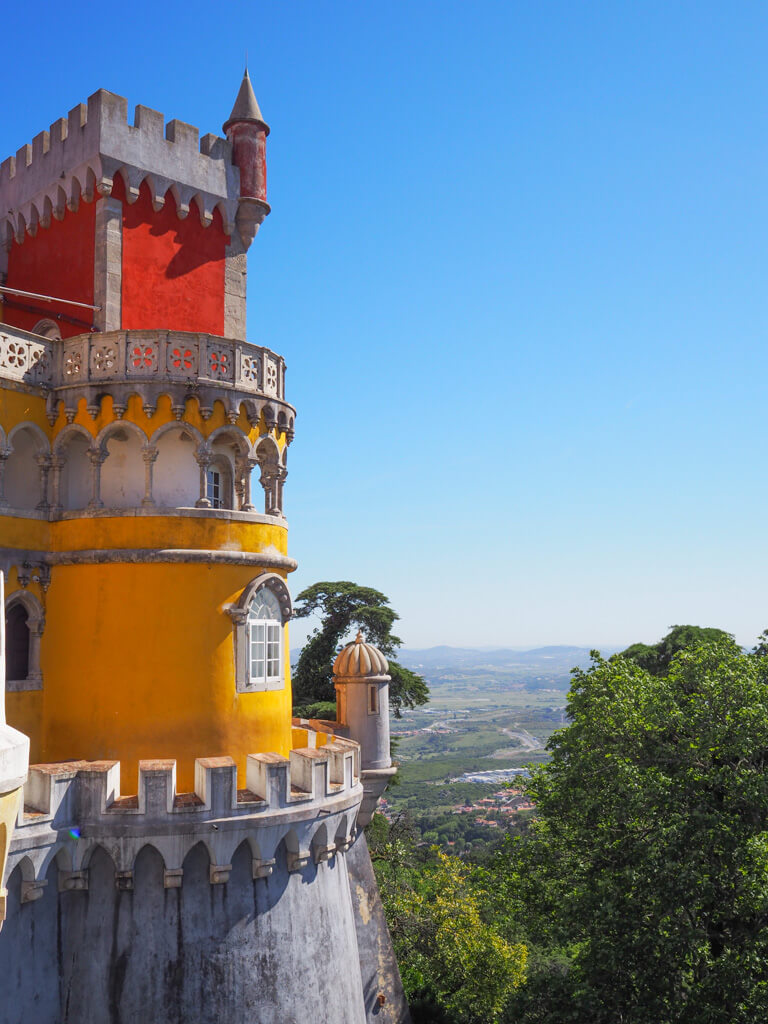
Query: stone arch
x=229 y=457
x=26 y=869
x=47 y=328
x=227 y=226
x=58 y=857
x=122 y=479
x=148 y=868
x=232 y=435
x=322 y=844
x=91 y=851
x=25 y=477
x=72 y=468
x=130 y=187
x=75 y=192
x=24 y=625
x=205 y=215
x=176 y=474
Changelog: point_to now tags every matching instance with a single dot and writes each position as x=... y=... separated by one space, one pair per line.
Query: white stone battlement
x=79 y=792
x=80 y=156
x=308 y=801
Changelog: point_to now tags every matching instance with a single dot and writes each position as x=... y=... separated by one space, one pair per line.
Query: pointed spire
x=246 y=106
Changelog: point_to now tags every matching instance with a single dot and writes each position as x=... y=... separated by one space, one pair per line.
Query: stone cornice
x=105 y=556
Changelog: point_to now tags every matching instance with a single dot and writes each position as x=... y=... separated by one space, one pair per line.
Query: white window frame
x=214 y=485
x=248 y=631
x=265 y=645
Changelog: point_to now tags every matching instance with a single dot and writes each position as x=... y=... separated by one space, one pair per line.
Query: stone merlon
x=81 y=155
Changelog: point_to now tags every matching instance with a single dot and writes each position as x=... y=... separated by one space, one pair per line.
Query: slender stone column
x=281 y=475
x=245 y=466
x=97 y=457
x=150 y=453
x=204 y=459
x=4 y=454
x=44 y=462
x=267 y=481
x=34 y=673
x=57 y=464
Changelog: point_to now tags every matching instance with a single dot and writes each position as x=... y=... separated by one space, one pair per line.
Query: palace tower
x=186 y=850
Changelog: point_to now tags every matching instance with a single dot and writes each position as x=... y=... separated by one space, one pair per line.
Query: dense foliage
x=342 y=607
x=455 y=965
x=656 y=658
x=640 y=891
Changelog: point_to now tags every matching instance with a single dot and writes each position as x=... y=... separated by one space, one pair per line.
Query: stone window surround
x=36 y=626
x=239 y=615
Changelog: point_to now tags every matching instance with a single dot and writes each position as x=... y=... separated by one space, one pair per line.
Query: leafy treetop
x=342 y=607
x=656 y=658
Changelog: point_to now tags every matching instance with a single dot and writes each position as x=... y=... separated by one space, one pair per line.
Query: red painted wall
x=57 y=261
x=173 y=270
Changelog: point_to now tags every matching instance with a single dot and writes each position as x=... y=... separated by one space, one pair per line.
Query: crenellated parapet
x=81 y=156
x=308 y=801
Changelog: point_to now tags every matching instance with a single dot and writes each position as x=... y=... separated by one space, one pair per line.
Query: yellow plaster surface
x=166 y=532
x=20 y=407
x=9 y=808
x=134 y=413
x=138 y=662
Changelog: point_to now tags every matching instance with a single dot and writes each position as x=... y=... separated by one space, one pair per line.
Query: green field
x=459 y=732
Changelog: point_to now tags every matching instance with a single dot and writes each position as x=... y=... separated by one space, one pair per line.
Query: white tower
x=360 y=676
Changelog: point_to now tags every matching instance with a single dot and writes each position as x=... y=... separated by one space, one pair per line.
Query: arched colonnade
x=120 y=468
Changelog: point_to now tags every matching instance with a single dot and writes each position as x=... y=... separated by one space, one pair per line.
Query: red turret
x=247 y=130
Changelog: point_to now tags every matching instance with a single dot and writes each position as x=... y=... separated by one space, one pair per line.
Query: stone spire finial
x=246 y=108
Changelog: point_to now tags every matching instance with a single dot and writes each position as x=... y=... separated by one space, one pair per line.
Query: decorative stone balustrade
x=149 y=363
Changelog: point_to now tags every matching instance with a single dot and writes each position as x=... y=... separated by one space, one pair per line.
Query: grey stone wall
x=277 y=950
x=378 y=967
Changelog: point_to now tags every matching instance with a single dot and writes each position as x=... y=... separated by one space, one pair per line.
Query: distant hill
x=477 y=657
x=494 y=669
x=497 y=669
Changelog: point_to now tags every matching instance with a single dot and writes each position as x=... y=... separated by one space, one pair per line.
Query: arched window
x=265 y=628
x=24 y=624
x=259 y=627
x=16 y=642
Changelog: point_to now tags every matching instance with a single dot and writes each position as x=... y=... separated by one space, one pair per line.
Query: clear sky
x=517 y=266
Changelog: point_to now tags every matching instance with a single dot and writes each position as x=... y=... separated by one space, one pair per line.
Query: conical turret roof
x=246 y=106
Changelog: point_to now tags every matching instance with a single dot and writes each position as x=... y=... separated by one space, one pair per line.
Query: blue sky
x=516 y=264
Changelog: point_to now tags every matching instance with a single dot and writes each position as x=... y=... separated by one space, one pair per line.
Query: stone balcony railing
x=181 y=364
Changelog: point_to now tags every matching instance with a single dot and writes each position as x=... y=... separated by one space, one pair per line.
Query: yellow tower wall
x=152 y=674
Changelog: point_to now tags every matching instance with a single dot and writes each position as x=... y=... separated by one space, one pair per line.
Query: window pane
x=213 y=488
x=265 y=621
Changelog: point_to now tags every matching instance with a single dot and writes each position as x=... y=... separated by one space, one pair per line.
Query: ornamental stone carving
x=179 y=364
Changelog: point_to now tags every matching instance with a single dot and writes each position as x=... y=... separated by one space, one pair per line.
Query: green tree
x=643 y=883
x=342 y=607
x=656 y=658
x=456 y=967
